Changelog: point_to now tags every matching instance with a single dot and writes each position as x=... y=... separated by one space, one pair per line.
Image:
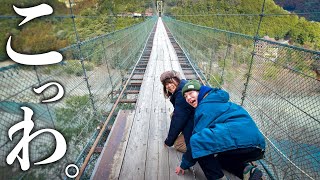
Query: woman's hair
x=169 y=77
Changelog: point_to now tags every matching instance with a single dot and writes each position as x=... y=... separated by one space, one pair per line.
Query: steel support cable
x=94 y=134
x=192 y=47
x=218 y=14
x=35 y=84
x=108 y=69
x=231 y=85
x=118 y=52
x=103 y=99
x=192 y=65
x=285 y=101
x=77 y=115
x=224 y=61
x=267 y=87
x=200 y=78
x=214 y=29
x=99 y=50
x=260 y=39
x=122 y=37
x=194 y=39
x=81 y=56
x=86 y=125
x=291 y=162
x=289 y=68
x=137 y=47
x=85 y=42
x=95 y=52
x=51 y=16
x=203 y=56
x=32 y=85
x=275 y=147
x=119 y=97
x=103 y=128
x=79 y=84
x=128 y=43
x=20 y=92
x=82 y=130
x=132 y=40
x=252 y=57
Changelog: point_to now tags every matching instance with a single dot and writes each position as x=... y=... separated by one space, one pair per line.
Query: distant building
x=137 y=14
x=73 y=3
x=269 y=50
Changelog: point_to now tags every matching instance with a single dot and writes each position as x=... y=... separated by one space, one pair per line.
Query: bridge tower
x=159 y=8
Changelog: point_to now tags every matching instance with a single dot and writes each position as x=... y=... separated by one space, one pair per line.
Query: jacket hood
x=216 y=96
x=182 y=83
x=202 y=92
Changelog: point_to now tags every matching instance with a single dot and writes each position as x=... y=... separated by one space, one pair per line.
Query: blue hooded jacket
x=182 y=118
x=219 y=126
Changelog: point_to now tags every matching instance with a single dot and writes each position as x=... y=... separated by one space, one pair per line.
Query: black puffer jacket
x=182 y=118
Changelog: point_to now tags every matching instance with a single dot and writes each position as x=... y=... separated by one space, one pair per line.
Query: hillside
x=93 y=18
x=6 y=6
x=302 y=6
x=225 y=14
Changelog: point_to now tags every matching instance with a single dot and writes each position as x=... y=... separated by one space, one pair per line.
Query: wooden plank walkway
x=140 y=153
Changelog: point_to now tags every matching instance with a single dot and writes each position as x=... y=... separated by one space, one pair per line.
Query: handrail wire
x=103 y=128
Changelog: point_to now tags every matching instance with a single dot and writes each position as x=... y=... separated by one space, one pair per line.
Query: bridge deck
x=138 y=152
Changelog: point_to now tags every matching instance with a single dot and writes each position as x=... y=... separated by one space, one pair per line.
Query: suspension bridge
x=115 y=118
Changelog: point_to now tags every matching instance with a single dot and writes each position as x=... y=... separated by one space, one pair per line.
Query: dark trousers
x=233 y=161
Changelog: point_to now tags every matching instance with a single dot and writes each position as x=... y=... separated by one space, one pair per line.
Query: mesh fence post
x=225 y=58
x=108 y=69
x=252 y=55
x=82 y=59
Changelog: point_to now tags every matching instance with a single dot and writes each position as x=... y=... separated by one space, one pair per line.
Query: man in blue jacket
x=224 y=135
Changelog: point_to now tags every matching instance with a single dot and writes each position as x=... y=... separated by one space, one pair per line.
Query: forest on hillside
x=92 y=18
x=302 y=6
x=242 y=16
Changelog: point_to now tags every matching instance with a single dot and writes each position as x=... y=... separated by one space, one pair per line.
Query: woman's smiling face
x=171 y=87
x=192 y=98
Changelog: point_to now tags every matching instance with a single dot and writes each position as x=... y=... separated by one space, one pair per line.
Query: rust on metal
x=105 y=162
x=132 y=92
x=127 y=100
x=98 y=149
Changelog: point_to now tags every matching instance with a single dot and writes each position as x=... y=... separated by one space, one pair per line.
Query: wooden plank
x=136 y=154
x=145 y=156
x=152 y=165
x=154 y=137
x=164 y=170
x=175 y=156
x=198 y=173
x=109 y=163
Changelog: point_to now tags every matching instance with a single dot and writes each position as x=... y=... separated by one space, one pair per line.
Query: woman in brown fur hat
x=182 y=118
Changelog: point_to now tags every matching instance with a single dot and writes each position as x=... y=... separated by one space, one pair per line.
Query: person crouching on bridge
x=182 y=117
x=224 y=135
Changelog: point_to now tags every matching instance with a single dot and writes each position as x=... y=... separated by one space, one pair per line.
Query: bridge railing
x=275 y=82
x=91 y=72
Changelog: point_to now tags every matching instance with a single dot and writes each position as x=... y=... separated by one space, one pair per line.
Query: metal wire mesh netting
x=273 y=81
x=91 y=72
